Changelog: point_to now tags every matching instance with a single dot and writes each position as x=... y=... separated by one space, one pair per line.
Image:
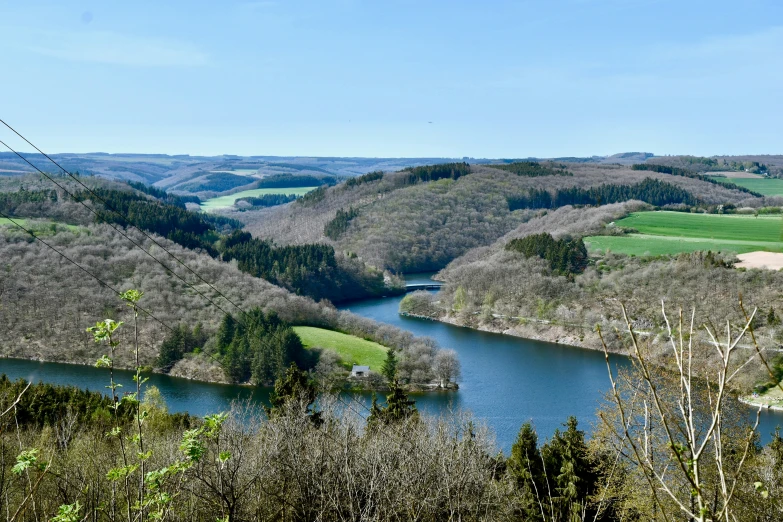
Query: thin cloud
x=118 y=49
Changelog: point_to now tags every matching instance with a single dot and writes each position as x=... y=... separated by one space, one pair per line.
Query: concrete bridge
x=423 y=286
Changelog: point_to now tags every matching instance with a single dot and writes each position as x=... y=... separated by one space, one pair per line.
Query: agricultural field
x=228 y=201
x=765 y=186
x=660 y=233
x=351 y=349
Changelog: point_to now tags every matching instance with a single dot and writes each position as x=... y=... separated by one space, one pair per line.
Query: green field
x=228 y=201
x=351 y=349
x=765 y=186
x=673 y=232
x=6 y=221
x=40 y=227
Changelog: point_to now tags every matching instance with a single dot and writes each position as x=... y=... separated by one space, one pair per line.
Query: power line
x=125 y=218
x=125 y=235
x=101 y=281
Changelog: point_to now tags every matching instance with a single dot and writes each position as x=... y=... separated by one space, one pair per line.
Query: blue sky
x=366 y=77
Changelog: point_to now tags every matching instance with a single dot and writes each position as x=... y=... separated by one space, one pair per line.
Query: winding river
x=506 y=381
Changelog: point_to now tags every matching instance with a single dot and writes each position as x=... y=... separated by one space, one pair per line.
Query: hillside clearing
x=228 y=201
x=660 y=233
x=351 y=349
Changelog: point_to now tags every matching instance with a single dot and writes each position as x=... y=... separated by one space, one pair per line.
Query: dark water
x=506 y=381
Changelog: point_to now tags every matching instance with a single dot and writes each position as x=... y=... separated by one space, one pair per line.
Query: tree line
x=565 y=256
x=532 y=169
x=298 y=180
x=162 y=195
x=677 y=171
x=265 y=200
x=259 y=348
x=364 y=178
x=414 y=175
x=652 y=191
x=339 y=224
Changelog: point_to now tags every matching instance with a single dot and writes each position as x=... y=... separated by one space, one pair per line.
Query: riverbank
x=533 y=329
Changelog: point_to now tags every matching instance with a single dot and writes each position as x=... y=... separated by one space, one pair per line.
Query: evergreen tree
x=389 y=368
x=526 y=467
x=171 y=349
x=772 y=319
x=293 y=387
x=398 y=407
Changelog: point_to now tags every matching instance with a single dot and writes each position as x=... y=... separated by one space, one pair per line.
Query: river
x=505 y=382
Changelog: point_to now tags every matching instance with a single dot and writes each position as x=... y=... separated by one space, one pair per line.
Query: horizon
x=357 y=79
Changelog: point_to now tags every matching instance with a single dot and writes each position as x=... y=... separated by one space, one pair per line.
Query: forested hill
x=422 y=218
x=312 y=270
x=537 y=282
x=47 y=303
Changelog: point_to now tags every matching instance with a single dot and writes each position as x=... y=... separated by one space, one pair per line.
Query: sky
x=394 y=78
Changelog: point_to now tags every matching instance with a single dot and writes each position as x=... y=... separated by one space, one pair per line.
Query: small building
x=360 y=371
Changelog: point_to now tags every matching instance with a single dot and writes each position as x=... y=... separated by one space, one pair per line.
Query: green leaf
x=26 y=460
x=68 y=513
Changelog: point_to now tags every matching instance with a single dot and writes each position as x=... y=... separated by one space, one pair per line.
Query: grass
x=351 y=349
x=662 y=233
x=228 y=201
x=6 y=221
x=765 y=186
x=40 y=227
x=771 y=397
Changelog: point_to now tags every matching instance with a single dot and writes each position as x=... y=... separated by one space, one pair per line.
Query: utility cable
x=109 y=207
x=168 y=269
x=80 y=267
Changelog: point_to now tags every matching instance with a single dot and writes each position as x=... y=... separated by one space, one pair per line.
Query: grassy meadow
x=6 y=221
x=765 y=186
x=351 y=349
x=662 y=233
x=228 y=201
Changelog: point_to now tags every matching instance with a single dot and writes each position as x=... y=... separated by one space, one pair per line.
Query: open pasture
x=660 y=233
x=765 y=186
x=228 y=201
x=351 y=349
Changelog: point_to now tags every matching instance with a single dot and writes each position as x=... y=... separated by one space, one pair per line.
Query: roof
x=357 y=368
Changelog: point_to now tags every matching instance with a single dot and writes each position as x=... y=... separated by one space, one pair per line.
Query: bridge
x=423 y=286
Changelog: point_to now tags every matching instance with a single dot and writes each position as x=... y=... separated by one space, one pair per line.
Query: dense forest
x=300 y=180
x=413 y=175
x=652 y=191
x=565 y=255
x=265 y=200
x=217 y=182
x=311 y=269
x=337 y=226
x=259 y=347
x=533 y=169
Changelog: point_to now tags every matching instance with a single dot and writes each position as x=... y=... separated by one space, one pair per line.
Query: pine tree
x=772 y=319
x=172 y=348
x=389 y=368
x=398 y=408
x=293 y=387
